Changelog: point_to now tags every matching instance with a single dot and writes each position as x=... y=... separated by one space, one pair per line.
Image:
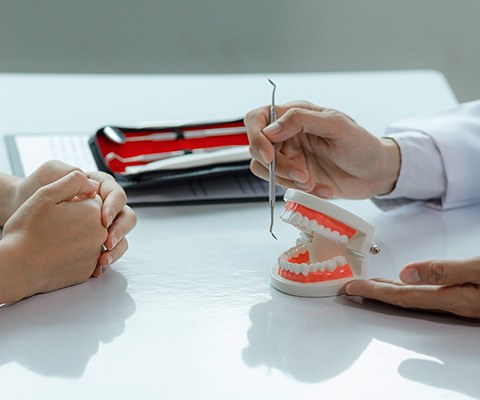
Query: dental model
x=332 y=248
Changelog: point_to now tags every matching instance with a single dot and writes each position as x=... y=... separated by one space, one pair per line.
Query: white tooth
x=296 y=268
x=331 y=236
x=295 y=218
x=312 y=225
x=288 y=215
x=282 y=263
x=301 y=241
x=327 y=232
x=288 y=266
x=319 y=229
x=343 y=239
x=284 y=216
x=330 y=265
x=304 y=269
x=304 y=222
x=321 y=266
x=341 y=261
x=315 y=267
x=336 y=236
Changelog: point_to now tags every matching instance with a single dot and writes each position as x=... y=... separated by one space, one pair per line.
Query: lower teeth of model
x=304 y=268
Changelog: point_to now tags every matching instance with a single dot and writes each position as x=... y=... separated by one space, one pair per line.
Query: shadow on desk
x=57 y=334
x=313 y=340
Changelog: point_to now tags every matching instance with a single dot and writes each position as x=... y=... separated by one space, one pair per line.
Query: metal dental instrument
x=147 y=158
x=272 y=166
x=117 y=136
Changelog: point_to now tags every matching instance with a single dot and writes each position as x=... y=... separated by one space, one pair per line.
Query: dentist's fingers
x=460 y=300
x=262 y=172
x=327 y=124
x=260 y=147
x=445 y=272
x=258 y=119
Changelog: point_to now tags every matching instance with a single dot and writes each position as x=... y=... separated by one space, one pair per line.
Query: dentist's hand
x=321 y=151
x=445 y=286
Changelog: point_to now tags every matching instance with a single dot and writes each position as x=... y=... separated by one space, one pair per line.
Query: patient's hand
x=53 y=240
x=116 y=216
x=445 y=286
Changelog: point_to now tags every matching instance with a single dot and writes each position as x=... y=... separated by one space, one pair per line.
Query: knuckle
x=77 y=176
x=338 y=117
x=53 y=164
x=252 y=114
x=293 y=113
x=122 y=197
x=439 y=273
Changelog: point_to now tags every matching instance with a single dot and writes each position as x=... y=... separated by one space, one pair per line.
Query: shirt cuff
x=421 y=174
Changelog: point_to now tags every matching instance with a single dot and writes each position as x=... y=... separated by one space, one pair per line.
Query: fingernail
x=324 y=193
x=272 y=129
x=98 y=271
x=93 y=183
x=298 y=176
x=263 y=154
x=109 y=260
x=303 y=186
x=109 y=220
x=345 y=290
x=349 y=289
x=411 y=275
x=114 y=241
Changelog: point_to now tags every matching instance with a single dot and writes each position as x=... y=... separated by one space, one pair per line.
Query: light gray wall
x=183 y=36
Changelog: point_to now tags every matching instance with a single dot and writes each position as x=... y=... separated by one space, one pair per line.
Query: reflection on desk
x=313 y=340
x=54 y=337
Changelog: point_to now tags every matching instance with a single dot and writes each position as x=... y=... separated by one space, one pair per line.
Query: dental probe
x=146 y=158
x=272 y=166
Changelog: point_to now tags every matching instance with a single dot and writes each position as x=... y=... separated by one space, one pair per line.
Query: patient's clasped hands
x=325 y=153
x=61 y=226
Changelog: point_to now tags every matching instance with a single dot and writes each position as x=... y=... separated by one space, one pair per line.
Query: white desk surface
x=189 y=313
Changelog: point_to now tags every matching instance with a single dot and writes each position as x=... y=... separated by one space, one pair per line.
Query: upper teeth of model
x=303 y=223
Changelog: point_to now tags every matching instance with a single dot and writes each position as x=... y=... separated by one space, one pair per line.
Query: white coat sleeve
x=440 y=158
